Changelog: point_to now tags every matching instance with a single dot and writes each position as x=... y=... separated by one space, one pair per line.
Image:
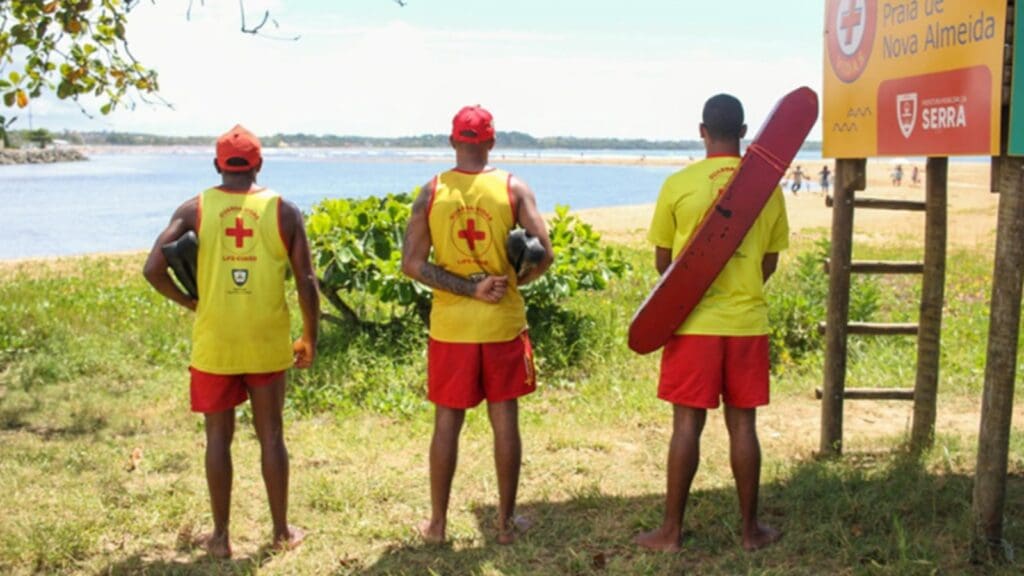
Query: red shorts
x=463 y=375
x=696 y=370
x=218 y=392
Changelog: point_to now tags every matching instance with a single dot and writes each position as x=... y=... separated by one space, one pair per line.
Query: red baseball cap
x=238 y=150
x=473 y=124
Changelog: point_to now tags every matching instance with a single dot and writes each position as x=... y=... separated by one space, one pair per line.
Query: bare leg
x=508 y=456
x=267 y=405
x=683 y=460
x=745 y=458
x=444 y=453
x=220 y=430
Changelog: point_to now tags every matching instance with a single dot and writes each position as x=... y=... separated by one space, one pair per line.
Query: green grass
x=101 y=462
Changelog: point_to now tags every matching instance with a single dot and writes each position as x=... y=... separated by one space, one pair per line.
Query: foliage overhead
x=72 y=48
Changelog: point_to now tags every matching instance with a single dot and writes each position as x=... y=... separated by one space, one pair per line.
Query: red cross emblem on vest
x=239 y=232
x=471 y=235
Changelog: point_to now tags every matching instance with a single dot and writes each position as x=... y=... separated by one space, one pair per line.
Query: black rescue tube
x=181 y=256
x=524 y=251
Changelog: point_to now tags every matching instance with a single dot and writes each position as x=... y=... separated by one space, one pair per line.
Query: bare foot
x=660 y=540
x=512 y=530
x=216 y=546
x=432 y=533
x=290 y=540
x=761 y=537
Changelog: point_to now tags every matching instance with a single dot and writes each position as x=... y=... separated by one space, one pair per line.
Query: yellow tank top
x=470 y=217
x=242 y=324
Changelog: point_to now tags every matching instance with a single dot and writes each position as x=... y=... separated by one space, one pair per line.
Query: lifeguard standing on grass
x=241 y=345
x=721 y=350
x=479 y=349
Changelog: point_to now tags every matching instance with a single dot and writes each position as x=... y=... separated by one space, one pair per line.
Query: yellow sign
x=913 y=77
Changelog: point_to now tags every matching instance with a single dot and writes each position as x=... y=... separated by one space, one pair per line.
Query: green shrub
x=561 y=334
x=797 y=303
x=357 y=250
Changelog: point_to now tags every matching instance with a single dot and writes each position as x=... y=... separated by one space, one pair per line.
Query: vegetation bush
x=382 y=314
x=797 y=303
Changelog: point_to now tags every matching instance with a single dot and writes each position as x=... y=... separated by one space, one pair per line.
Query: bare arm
x=416 y=252
x=768 y=265
x=294 y=230
x=530 y=219
x=662 y=259
x=155 y=270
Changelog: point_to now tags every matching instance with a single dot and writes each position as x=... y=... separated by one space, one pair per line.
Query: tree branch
x=348 y=314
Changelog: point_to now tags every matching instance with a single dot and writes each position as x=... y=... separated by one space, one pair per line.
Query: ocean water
x=118 y=202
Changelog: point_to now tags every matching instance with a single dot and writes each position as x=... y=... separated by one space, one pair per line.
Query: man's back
x=242 y=323
x=470 y=216
x=734 y=304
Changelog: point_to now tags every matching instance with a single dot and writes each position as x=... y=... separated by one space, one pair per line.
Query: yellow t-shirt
x=242 y=324
x=470 y=217
x=734 y=305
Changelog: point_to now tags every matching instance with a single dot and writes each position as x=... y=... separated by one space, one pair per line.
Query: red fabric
x=464 y=375
x=473 y=124
x=219 y=392
x=697 y=370
x=238 y=143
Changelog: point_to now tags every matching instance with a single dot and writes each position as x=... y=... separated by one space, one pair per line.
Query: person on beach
x=826 y=179
x=241 y=345
x=478 y=348
x=915 y=176
x=897 y=175
x=798 y=180
x=721 y=350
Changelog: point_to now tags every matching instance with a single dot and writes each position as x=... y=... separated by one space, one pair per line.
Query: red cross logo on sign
x=850 y=36
x=851 y=26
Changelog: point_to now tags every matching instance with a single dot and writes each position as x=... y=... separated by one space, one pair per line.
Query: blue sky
x=557 y=67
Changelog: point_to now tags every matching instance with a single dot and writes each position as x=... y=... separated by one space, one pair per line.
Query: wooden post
x=932 y=297
x=1001 y=366
x=850 y=176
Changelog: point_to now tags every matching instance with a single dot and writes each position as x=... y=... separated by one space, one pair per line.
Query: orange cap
x=238 y=150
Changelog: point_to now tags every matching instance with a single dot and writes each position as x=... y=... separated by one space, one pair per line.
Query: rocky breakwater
x=47 y=156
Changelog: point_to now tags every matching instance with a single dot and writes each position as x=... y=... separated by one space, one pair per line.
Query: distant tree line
x=505 y=140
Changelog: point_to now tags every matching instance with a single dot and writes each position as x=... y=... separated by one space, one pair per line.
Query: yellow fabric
x=242 y=324
x=734 y=305
x=470 y=218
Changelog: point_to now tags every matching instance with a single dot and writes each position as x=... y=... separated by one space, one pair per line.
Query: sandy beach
x=972 y=210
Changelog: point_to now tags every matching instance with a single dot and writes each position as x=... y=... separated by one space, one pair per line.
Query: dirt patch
x=792 y=425
x=125 y=263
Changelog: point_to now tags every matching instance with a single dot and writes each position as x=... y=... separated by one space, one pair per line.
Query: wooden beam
x=880 y=204
x=874 y=329
x=933 y=290
x=873 y=394
x=881 y=267
x=850 y=177
x=1001 y=366
x=883 y=204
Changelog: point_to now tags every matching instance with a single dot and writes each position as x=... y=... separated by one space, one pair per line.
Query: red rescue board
x=723 y=229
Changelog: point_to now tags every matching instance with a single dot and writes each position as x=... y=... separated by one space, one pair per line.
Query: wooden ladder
x=850 y=177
